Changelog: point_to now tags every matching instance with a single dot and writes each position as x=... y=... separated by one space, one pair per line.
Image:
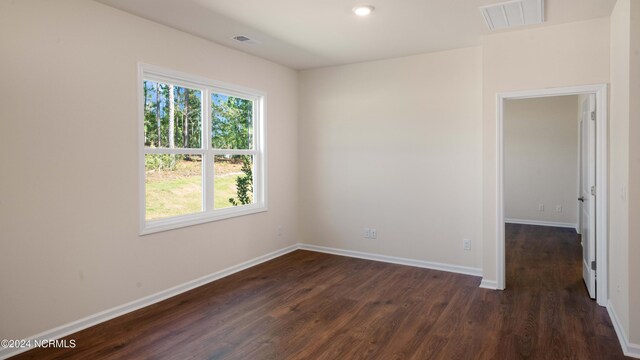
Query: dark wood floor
x=308 y=305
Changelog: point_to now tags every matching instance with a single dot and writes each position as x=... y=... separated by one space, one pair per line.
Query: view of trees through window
x=175 y=156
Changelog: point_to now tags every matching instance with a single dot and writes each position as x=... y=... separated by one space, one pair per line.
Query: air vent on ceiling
x=244 y=39
x=513 y=13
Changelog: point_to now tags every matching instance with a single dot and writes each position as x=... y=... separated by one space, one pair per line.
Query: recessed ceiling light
x=363 y=10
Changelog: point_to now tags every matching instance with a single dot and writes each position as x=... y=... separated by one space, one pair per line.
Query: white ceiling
x=305 y=34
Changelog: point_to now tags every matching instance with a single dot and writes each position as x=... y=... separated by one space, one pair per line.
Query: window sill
x=177 y=222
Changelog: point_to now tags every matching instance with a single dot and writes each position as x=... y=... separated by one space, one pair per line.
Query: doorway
x=599 y=221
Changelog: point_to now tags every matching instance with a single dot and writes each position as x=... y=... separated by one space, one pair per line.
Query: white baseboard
x=109 y=314
x=395 y=260
x=541 y=223
x=629 y=349
x=489 y=284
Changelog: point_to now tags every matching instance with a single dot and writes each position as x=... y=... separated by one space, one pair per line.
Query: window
x=202 y=150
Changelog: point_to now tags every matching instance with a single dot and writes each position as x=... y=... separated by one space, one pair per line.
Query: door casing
x=602 y=166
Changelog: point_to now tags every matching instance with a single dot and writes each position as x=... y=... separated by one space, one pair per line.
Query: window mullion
x=258 y=159
x=174 y=151
x=234 y=152
x=207 y=165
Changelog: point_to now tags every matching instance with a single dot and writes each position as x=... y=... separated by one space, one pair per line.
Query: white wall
x=404 y=145
x=555 y=56
x=619 y=166
x=634 y=177
x=69 y=153
x=541 y=159
x=624 y=174
x=394 y=145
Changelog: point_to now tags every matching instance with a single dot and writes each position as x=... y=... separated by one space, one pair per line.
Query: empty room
x=288 y=179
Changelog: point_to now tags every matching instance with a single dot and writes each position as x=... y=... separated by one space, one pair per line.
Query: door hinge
x=593 y=265
x=593 y=115
x=593 y=190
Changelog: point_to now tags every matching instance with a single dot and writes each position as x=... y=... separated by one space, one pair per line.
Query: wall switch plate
x=374 y=233
x=466 y=244
x=559 y=208
x=367 y=233
x=540 y=207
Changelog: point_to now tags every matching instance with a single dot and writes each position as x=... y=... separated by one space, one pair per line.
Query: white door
x=587 y=193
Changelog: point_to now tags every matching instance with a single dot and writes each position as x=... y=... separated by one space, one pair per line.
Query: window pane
x=172 y=110
x=173 y=185
x=233 y=181
x=232 y=122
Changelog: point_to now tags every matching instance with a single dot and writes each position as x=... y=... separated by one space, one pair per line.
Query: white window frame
x=207 y=87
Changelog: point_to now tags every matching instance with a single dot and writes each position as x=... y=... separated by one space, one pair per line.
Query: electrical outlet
x=367 y=233
x=374 y=233
x=466 y=244
x=559 y=208
x=279 y=231
x=540 y=207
